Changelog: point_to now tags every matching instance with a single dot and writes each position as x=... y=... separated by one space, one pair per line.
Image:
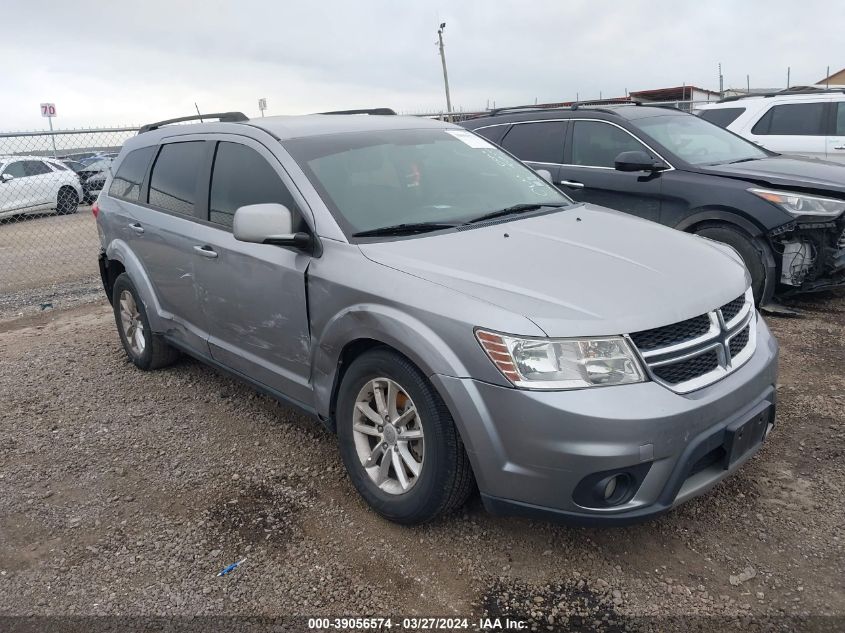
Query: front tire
x=67 y=201
x=398 y=440
x=750 y=251
x=145 y=349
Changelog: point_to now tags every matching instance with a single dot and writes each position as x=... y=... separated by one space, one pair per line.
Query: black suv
x=784 y=215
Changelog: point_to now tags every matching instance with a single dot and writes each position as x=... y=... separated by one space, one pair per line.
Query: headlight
x=562 y=363
x=800 y=204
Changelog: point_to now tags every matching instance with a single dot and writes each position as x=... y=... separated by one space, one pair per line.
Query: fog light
x=615 y=489
x=610 y=487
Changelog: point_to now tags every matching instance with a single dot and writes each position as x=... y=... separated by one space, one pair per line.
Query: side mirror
x=638 y=160
x=7 y=177
x=268 y=223
x=545 y=174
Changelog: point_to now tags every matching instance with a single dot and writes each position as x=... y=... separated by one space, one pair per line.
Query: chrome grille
x=697 y=352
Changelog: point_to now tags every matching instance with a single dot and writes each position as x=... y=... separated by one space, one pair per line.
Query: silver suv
x=453 y=317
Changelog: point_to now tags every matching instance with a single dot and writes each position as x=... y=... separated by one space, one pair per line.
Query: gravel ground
x=123 y=493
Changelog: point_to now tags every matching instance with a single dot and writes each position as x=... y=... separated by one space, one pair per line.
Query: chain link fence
x=48 y=238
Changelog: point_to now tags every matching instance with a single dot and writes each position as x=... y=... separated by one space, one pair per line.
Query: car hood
x=581 y=271
x=787 y=171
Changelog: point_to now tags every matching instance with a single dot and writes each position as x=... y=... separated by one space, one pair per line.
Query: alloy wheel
x=388 y=435
x=133 y=326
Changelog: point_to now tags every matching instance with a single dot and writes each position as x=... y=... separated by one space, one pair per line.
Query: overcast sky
x=122 y=62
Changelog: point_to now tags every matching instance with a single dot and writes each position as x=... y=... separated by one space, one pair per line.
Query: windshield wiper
x=517 y=208
x=742 y=160
x=405 y=229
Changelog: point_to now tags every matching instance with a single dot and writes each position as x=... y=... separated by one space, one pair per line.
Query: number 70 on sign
x=48 y=110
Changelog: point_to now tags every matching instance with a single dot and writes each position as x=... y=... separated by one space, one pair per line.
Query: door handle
x=137 y=228
x=839 y=147
x=205 y=251
x=572 y=183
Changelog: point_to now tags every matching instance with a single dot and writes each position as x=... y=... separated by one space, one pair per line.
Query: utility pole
x=445 y=74
x=721 y=82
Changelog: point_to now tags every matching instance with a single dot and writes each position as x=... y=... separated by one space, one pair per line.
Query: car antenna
x=198 y=112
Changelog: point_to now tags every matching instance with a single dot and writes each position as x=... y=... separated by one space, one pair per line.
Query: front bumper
x=532 y=451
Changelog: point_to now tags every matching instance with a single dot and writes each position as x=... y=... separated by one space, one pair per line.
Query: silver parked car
x=453 y=317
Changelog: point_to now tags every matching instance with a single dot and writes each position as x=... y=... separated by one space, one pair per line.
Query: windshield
x=384 y=178
x=697 y=141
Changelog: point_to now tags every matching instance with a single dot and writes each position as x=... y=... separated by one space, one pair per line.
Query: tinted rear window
x=127 y=181
x=173 y=182
x=792 y=119
x=540 y=142
x=722 y=117
x=242 y=176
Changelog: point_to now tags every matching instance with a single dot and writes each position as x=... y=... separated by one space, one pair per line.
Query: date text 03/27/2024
x=418 y=624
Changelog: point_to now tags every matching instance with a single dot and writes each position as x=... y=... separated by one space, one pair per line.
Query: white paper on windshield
x=470 y=139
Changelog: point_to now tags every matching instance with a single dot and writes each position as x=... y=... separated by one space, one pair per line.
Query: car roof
x=609 y=112
x=299 y=126
x=5 y=157
x=808 y=93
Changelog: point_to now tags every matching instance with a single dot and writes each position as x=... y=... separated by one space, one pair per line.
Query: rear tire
x=144 y=348
x=748 y=248
x=444 y=479
x=67 y=201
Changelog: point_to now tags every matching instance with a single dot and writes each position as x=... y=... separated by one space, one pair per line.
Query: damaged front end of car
x=811 y=255
x=810 y=248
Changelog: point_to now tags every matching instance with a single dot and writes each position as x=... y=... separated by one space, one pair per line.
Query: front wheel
x=398 y=440
x=750 y=251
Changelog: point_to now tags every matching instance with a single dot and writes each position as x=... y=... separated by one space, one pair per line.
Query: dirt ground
x=124 y=493
x=40 y=251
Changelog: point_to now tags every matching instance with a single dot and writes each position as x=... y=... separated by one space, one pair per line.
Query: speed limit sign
x=48 y=110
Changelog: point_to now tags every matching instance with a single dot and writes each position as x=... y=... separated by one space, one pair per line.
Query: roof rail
x=223 y=117
x=595 y=105
x=795 y=90
x=387 y=111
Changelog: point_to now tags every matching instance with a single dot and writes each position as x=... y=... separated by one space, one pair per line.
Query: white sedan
x=32 y=184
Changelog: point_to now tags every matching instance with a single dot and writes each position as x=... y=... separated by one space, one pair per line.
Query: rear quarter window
x=494 y=133
x=127 y=181
x=722 y=117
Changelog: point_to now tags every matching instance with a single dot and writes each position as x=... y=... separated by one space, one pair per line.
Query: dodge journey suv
x=457 y=320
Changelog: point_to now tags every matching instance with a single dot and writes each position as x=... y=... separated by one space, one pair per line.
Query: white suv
x=32 y=184
x=806 y=122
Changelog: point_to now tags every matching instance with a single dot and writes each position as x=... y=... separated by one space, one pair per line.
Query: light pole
x=445 y=74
